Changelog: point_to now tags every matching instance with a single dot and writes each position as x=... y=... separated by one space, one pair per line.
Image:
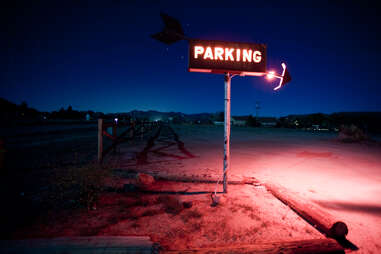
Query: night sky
x=100 y=56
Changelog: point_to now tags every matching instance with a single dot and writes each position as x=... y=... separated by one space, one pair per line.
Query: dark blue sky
x=99 y=55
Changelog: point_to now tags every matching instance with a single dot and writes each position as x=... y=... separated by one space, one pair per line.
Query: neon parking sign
x=226 y=57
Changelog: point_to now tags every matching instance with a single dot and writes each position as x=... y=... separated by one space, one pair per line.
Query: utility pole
x=257 y=108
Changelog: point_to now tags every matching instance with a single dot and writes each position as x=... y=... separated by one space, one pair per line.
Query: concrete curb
x=79 y=245
x=316 y=246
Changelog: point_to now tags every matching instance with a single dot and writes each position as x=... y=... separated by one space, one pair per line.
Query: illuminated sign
x=222 y=57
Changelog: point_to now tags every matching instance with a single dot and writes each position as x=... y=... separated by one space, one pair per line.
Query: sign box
x=223 y=57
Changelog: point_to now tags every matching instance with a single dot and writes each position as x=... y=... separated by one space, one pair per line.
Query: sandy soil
x=247 y=215
x=344 y=179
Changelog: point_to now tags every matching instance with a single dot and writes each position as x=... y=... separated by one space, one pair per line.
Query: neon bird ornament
x=285 y=78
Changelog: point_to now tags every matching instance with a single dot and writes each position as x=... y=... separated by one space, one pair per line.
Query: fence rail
x=134 y=129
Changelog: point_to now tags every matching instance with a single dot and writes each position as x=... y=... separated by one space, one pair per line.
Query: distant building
x=267 y=121
x=236 y=121
x=315 y=127
x=218 y=123
x=239 y=120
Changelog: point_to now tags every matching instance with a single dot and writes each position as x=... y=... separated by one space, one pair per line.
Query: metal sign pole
x=244 y=59
x=227 y=130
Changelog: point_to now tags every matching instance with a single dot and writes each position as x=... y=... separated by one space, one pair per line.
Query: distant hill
x=369 y=121
x=10 y=112
x=7 y=106
x=153 y=115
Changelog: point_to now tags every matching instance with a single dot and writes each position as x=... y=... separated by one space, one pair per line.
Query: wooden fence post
x=114 y=137
x=132 y=129
x=100 y=139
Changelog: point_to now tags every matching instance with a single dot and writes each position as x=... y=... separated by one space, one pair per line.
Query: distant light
x=116 y=120
x=270 y=75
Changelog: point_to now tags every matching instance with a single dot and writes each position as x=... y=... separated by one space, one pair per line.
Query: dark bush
x=351 y=133
x=252 y=122
x=78 y=186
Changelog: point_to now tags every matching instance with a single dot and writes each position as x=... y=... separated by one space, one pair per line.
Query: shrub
x=192 y=214
x=351 y=133
x=252 y=122
x=172 y=204
x=78 y=186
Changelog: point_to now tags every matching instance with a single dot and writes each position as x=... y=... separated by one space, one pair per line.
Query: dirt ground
x=341 y=178
x=247 y=215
